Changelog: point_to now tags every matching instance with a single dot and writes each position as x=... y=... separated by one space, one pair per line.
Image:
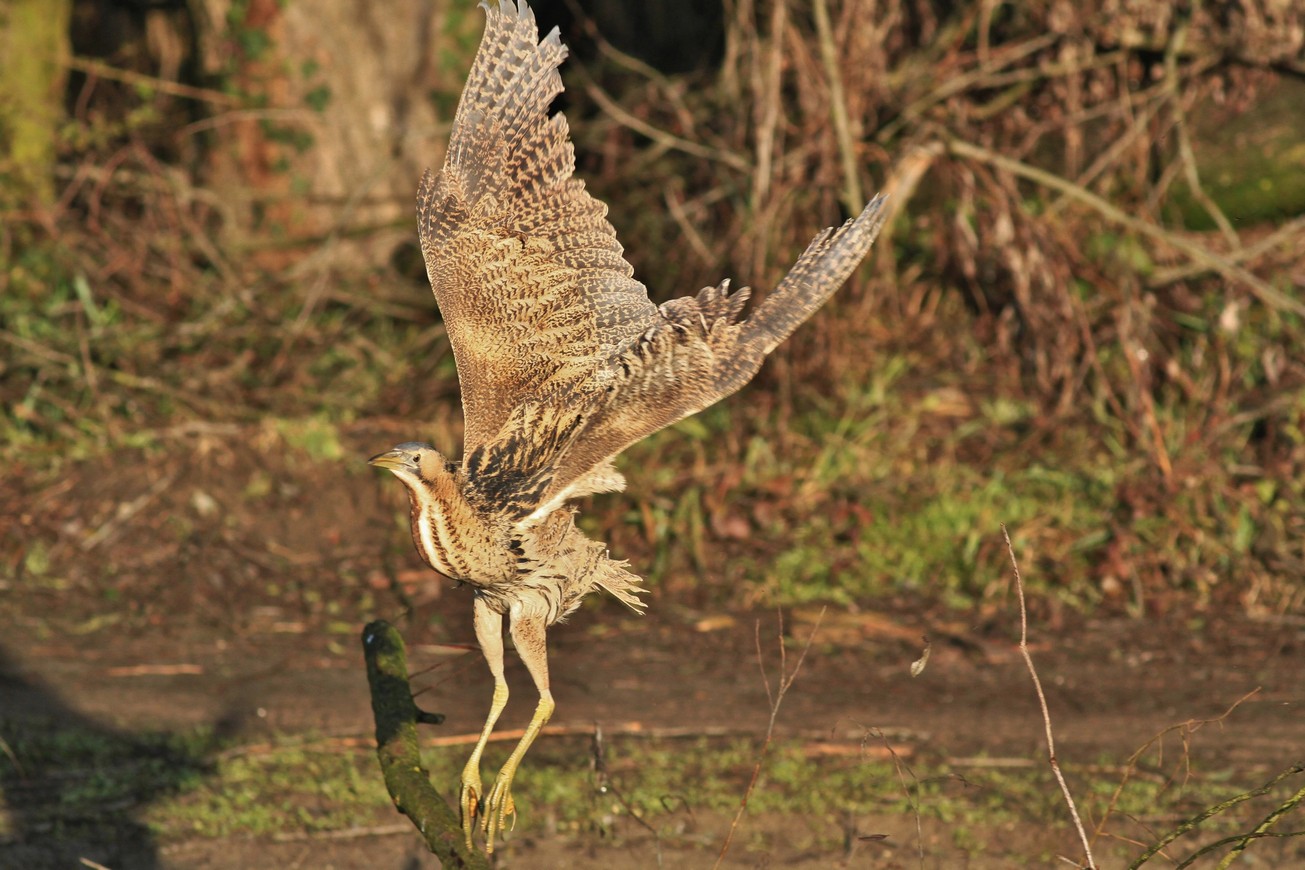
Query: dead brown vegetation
x=1058 y=246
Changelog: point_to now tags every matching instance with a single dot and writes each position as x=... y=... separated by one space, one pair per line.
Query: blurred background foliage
x=1084 y=321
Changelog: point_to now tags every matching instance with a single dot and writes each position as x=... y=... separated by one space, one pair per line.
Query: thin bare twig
x=960 y=82
x=768 y=85
x=775 y=699
x=353 y=833
x=1042 y=701
x=669 y=140
x=1264 y=291
x=141 y=80
x=126 y=511
x=1187 y=728
x=286 y=115
x=852 y=199
x=1283 y=235
x=911 y=790
x=604 y=784
x=1150 y=105
x=675 y=205
x=12 y=756
x=1186 y=156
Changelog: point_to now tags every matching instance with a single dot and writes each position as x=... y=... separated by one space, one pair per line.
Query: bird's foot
x=498 y=807
x=469 y=805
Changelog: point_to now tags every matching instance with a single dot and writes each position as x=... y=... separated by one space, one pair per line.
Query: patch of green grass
x=283 y=788
x=940 y=530
x=896 y=479
x=842 y=507
x=316 y=437
x=186 y=785
x=902 y=484
x=71 y=778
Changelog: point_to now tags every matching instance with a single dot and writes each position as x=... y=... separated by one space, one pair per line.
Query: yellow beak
x=391 y=459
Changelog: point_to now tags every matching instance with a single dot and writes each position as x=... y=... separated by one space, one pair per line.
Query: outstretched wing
x=529 y=277
x=697 y=353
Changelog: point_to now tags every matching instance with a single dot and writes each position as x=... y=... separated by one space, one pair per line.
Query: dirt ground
x=206 y=606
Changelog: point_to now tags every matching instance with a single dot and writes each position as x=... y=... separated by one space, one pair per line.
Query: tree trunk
x=345 y=103
x=33 y=44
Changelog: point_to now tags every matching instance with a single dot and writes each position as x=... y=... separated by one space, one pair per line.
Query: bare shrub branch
x=776 y=699
x=1243 y=840
x=1042 y=702
x=1266 y=293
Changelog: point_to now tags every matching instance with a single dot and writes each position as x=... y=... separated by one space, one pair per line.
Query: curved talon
x=499 y=805
x=469 y=804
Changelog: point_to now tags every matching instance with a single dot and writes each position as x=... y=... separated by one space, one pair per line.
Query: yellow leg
x=489 y=632
x=528 y=635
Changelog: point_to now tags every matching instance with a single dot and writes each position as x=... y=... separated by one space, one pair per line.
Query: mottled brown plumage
x=563 y=361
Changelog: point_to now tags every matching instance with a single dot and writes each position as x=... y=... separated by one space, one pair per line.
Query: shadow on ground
x=74 y=788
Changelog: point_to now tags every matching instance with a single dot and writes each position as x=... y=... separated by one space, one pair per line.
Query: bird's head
x=412 y=462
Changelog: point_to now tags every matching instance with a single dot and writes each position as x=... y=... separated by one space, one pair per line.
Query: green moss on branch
x=396 y=716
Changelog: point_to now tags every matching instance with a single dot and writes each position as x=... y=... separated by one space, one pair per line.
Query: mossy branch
x=396 y=716
x=1242 y=839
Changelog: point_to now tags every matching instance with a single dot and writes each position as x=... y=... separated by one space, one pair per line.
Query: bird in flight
x=563 y=363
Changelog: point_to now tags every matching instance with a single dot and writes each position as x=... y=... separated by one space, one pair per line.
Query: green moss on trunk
x=33 y=42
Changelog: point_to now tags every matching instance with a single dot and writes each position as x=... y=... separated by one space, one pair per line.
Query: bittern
x=563 y=362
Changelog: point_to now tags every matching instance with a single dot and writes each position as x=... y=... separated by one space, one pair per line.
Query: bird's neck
x=451 y=535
